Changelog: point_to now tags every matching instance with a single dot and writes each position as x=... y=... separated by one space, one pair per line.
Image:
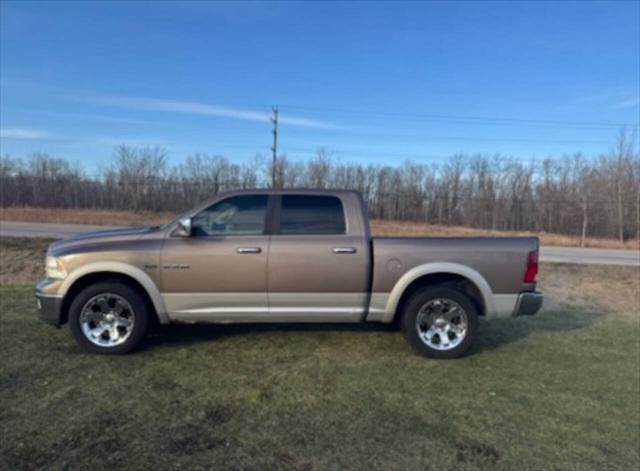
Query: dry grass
x=606 y=288
x=21 y=260
x=395 y=228
x=379 y=228
x=84 y=216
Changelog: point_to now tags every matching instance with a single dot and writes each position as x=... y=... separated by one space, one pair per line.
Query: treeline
x=575 y=195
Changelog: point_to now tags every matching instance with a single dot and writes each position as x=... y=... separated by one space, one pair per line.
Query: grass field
x=557 y=391
x=379 y=228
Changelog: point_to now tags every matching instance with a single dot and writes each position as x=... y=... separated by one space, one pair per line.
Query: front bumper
x=528 y=304
x=50 y=308
x=49 y=302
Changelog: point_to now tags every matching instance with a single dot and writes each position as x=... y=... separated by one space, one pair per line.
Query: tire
x=116 y=310
x=440 y=322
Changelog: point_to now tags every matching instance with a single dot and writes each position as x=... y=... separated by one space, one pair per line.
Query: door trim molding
x=260 y=307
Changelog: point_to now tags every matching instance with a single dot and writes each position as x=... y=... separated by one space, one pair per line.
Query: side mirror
x=184 y=228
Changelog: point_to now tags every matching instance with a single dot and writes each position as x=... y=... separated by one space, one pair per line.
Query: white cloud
x=84 y=117
x=206 y=109
x=23 y=134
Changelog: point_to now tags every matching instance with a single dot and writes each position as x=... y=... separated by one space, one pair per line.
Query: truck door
x=220 y=272
x=318 y=267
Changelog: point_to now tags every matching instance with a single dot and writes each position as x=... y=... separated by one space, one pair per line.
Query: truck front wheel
x=108 y=317
x=440 y=322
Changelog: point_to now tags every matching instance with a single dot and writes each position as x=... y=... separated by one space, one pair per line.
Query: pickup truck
x=284 y=256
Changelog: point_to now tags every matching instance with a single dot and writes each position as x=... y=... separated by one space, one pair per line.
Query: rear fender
x=439 y=267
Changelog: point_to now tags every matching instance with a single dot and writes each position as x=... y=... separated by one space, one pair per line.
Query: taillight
x=532 y=267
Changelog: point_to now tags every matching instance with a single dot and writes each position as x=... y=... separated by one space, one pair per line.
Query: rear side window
x=235 y=215
x=302 y=214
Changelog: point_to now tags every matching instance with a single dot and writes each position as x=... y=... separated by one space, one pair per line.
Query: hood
x=107 y=236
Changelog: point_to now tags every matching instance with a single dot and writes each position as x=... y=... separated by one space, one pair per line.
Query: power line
x=492 y=119
x=398 y=155
x=432 y=138
x=420 y=116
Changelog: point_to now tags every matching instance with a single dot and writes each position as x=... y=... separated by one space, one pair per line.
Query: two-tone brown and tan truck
x=284 y=256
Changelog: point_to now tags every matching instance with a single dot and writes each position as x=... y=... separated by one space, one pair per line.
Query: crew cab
x=284 y=256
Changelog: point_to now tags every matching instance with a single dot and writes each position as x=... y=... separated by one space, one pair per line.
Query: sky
x=371 y=82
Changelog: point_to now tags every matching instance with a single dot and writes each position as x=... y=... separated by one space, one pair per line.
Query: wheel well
x=99 y=277
x=458 y=281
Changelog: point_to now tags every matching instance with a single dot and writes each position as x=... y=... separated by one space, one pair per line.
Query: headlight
x=54 y=268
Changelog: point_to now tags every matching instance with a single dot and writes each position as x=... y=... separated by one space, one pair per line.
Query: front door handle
x=248 y=250
x=344 y=250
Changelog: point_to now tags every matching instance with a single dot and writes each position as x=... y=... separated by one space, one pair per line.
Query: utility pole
x=274 y=147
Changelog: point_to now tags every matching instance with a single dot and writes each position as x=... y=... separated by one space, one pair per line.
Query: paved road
x=589 y=256
x=547 y=254
x=46 y=230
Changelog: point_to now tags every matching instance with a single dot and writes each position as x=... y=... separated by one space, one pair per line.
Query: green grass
x=560 y=391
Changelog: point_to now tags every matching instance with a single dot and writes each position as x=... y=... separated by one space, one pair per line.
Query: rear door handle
x=248 y=250
x=344 y=250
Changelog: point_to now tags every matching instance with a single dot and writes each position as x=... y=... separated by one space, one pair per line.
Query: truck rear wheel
x=109 y=318
x=440 y=322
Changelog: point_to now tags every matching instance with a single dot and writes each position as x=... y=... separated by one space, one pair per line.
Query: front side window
x=308 y=214
x=239 y=215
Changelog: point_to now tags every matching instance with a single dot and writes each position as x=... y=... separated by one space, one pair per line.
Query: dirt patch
x=286 y=461
x=98 y=430
x=216 y=415
x=477 y=453
x=9 y=381
x=265 y=395
x=192 y=438
x=164 y=385
x=27 y=457
x=201 y=434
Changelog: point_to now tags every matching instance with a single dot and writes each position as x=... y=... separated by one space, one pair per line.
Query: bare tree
x=621 y=154
x=576 y=195
x=319 y=169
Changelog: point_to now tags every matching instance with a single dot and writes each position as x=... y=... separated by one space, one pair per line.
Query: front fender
x=124 y=269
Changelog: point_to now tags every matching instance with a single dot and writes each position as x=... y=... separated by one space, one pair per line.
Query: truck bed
x=500 y=260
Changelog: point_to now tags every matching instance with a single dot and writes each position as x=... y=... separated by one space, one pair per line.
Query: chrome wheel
x=442 y=324
x=107 y=320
